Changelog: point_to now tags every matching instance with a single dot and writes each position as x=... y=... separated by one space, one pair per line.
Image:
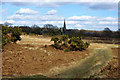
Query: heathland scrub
x=91 y=65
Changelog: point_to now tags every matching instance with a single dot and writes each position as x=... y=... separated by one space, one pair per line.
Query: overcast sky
x=79 y=14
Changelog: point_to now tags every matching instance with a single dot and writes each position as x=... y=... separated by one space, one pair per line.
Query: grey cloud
x=21 y=3
x=91 y=5
x=109 y=6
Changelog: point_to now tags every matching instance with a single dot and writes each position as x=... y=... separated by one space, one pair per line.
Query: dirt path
x=88 y=66
x=30 y=57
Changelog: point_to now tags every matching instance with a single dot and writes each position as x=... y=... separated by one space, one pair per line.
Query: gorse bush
x=5 y=35
x=73 y=43
x=64 y=37
x=56 y=42
x=55 y=39
x=76 y=44
x=16 y=32
x=10 y=34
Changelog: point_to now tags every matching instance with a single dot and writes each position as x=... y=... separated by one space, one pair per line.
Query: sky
x=78 y=14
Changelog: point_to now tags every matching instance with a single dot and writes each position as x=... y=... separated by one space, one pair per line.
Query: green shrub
x=56 y=45
x=4 y=40
x=76 y=43
x=5 y=30
x=73 y=46
x=10 y=34
x=64 y=37
x=73 y=43
x=59 y=41
x=87 y=44
x=55 y=39
x=16 y=32
x=65 y=44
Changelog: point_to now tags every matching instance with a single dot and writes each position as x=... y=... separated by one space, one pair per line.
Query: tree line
x=48 y=29
x=51 y=31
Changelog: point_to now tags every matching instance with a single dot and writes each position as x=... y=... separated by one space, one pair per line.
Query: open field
x=30 y=57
